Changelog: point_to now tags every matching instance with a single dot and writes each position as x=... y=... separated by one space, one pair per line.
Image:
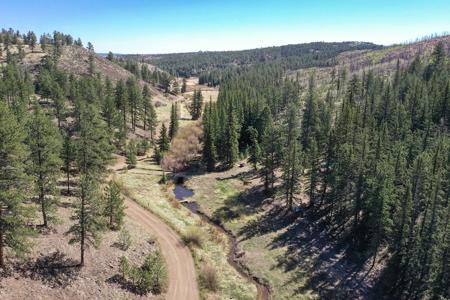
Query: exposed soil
x=51 y=271
x=180 y=264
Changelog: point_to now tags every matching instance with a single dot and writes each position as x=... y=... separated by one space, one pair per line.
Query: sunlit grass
x=141 y=184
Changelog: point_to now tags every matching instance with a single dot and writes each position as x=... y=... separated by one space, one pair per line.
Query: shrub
x=154 y=273
x=142 y=147
x=150 y=277
x=124 y=267
x=131 y=155
x=193 y=236
x=209 y=278
x=124 y=239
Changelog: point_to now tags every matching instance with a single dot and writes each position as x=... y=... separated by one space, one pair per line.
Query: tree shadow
x=54 y=270
x=330 y=267
x=246 y=203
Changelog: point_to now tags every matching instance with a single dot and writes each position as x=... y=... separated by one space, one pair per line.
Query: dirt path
x=180 y=264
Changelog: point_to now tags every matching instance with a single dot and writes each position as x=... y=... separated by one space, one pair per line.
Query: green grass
x=222 y=199
x=142 y=185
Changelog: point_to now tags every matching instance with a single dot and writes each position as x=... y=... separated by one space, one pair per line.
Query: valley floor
x=142 y=185
x=289 y=251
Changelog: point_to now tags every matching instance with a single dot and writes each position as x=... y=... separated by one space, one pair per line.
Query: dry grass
x=141 y=184
x=209 y=278
x=193 y=237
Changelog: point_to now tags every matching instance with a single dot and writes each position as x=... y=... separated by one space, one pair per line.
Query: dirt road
x=180 y=264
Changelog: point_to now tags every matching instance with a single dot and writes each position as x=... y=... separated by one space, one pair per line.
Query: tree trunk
x=41 y=191
x=44 y=213
x=2 y=262
x=68 y=180
x=82 y=229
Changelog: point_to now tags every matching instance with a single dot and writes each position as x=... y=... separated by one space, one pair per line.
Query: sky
x=148 y=26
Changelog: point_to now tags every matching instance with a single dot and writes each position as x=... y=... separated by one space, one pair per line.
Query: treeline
x=15 y=37
x=294 y=56
x=141 y=70
x=58 y=126
x=372 y=155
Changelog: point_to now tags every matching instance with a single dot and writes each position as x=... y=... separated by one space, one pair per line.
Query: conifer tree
x=292 y=165
x=310 y=119
x=122 y=102
x=148 y=113
x=131 y=154
x=68 y=156
x=115 y=208
x=231 y=146
x=45 y=146
x=173 y=126
x=183 y=86
x=271 y=155
x=196 y=106
x=13 y=186
x=134 y=100
x=89 y=215
x=255 y=149
x=209 y=140
x=163 y=141
x=93 y=145
x=110 y=56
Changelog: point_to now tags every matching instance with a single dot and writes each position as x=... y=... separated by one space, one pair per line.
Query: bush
x=209 y=278
x=154 y=273
x=124 y=239
x=131 y=155
x=142 y=147
x=193 y=236
x=124 y=267
x=150 y=277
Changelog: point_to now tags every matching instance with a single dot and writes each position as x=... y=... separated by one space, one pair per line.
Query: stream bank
x=181 y=193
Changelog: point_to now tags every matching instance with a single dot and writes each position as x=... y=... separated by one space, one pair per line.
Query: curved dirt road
x=180 y=264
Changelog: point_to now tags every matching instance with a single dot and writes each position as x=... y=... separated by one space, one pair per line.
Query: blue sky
x=178 y=26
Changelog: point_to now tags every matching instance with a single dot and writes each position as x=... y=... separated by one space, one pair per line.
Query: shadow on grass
x=315 y=260
x=236 y=206
x=54 y=270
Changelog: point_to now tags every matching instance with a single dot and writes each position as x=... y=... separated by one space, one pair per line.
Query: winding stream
x=181 y=193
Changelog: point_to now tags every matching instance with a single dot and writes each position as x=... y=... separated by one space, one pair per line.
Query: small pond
x=181 y=192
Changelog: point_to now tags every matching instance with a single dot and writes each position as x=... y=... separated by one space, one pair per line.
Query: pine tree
x=89 y=215
x=32 y=40
x=134 y=100
x=13 y=186
x=163 y=141
x=68 y=156
x=255 y=149
x=183 y=86
x=115 y=208
x=231 y=146
x=122 y=102
x=109 y=109
x=271 y=155
x=149 y=116
x=310 y=118
x=209 y=138
x=173 y=126
x=44 y=142
x=292 y=165
x=93 y=145
x=131 y=154
x=196 y=106
x=91 y=59
x=110 y=56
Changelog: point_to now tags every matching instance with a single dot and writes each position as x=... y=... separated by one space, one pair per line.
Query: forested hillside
x=291 y=56
x=369 y=158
